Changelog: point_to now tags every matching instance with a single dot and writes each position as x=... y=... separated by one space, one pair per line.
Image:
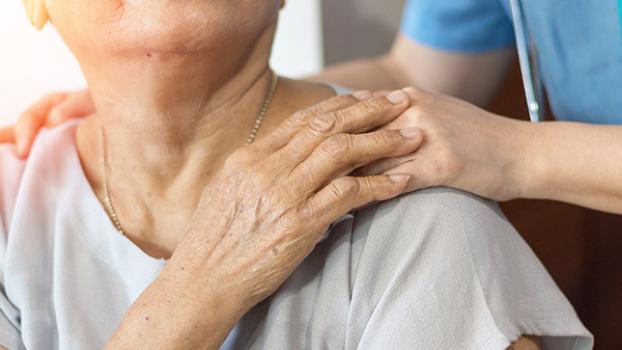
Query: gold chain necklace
x=251 y=138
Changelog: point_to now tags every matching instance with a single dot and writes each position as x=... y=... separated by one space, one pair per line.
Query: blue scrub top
x=579 y=44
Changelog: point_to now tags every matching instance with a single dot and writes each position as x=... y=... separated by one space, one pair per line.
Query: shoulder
x=441 y=214
x=445 y=255
x=431 y=231
x=440 y=232
x=47 y=156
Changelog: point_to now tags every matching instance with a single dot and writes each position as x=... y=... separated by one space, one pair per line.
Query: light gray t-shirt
x=437 y=269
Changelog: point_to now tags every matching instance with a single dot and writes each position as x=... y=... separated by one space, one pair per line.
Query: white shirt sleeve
x=11 y=169
x=443 y=269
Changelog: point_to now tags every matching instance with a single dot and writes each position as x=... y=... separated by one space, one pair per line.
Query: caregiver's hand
x=464 y=147
x=262 y=215
x=51 y=110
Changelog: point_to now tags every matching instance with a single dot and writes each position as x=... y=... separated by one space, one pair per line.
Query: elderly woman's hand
x=272 y=203
x=464 y=147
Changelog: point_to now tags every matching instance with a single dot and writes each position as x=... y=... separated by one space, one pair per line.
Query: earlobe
x=37 y=12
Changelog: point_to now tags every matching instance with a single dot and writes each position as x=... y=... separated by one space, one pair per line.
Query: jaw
x=160 y=25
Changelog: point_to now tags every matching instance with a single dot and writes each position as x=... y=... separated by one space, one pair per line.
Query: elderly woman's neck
x=167 y=141
x=164 y=139
x=169 y=117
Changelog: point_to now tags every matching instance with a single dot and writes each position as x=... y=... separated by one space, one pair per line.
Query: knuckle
x=307 y=211
x=332 y=103
x=372 y=106
x=417 y=112
x=371 y=188
x=338 y=146
x=385 y=138
x=345 y=187
x=417 y=115
x=299 y=118
x=340 y=116
x=322 y=125
x=446 y=164
x=290 y=223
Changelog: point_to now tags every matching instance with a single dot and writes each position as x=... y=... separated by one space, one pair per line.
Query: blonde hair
x=37 y=13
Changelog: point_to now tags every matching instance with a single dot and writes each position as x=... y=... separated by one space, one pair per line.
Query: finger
x=418 y=179
x=76 y=105
x=348 y=193
x=361 y=117
x=381 y=93
x=281 y=136
x=7 y=135
x=31 y=121
x=381 y=166
x=342 y=153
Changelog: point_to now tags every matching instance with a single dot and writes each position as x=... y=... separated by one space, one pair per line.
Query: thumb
x=419 y=179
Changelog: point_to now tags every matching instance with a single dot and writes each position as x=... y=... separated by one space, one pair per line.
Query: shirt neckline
x=91 y=222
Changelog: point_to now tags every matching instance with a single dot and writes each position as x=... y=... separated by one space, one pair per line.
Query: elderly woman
x=191 y=210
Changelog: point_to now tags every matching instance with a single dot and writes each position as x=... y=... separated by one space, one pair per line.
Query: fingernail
x=410 y=133
x=362 y=95
x=397 y=97
x=399 y=178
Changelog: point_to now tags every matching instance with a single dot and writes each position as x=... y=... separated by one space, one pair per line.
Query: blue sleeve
x=459 y=25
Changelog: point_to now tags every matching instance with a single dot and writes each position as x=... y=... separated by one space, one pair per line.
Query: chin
x=160 y=26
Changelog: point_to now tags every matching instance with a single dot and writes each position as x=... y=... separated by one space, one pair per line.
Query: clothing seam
x=17 y=340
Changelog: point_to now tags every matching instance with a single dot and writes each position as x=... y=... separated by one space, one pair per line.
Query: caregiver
x=462 y=48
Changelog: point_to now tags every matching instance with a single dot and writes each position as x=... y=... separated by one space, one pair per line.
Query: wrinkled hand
x=51 y=110
x=464 y=147
x=274 y=199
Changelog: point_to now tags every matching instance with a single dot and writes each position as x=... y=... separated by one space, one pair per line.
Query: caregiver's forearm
x=378 y=73
x=474 y=77
x=575 y=163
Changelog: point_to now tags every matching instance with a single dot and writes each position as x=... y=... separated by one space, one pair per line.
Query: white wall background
x=35 y=63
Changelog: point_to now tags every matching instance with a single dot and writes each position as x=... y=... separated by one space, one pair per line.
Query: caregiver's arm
x=575 y=163
x=500 y=158
x=474 y=77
